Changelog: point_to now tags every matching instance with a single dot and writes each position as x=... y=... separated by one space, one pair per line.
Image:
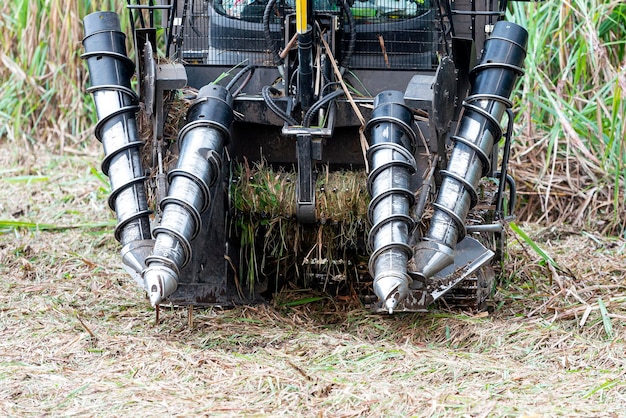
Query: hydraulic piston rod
x=201 y=142
x=110 y=71
x=391 y=137
x=479 y=129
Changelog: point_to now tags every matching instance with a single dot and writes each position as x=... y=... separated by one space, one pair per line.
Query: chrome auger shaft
x=391 y=138
x=110 y=71
x=479 y=129
x=201 y=143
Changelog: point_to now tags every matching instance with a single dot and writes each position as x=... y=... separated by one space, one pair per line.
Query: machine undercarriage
x=354 y=145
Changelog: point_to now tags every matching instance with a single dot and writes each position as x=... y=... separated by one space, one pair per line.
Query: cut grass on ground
x=79 y=338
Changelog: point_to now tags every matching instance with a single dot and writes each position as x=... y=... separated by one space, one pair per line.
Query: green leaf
x=606 y=320
x=533 y=244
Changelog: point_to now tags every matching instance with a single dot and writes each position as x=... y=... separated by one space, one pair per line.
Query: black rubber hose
x=265 y=92
x=345 y=60
x=306 y=121
x=271 y=43
x=248 y=69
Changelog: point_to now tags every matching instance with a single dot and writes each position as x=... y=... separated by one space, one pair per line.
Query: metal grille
x=395 y=34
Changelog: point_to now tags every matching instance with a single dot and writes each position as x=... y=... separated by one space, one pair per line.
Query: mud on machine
x=412 y=97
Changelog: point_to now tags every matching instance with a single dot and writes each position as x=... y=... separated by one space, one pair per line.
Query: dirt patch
x=79 y=338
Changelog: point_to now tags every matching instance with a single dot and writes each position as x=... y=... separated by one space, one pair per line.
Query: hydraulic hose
x=247 y=70
x=110 y=71
x=306 y=120
x=392 y=136
x=347 y=56
x=271 y=42
x=266 y=92
x=479 y=129
x=201 y=143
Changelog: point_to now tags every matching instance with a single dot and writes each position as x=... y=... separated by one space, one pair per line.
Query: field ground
x=78 y=338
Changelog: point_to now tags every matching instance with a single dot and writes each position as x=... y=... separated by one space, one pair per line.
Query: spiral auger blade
x=202 y=143
x=110 y=72
x=391 y=136
x=479 y=129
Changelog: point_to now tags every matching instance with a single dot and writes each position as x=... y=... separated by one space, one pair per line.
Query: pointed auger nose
x=391 y=290
x=160 y=282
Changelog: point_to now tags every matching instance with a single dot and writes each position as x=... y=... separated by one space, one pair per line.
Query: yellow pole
x=301 y=16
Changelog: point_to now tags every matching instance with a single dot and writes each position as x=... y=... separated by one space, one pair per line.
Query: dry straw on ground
x=80 y=339
x=566 y=190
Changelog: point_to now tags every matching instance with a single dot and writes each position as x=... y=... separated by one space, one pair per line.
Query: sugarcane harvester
x=413 y=94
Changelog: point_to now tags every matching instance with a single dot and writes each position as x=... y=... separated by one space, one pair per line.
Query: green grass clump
x=264 y=199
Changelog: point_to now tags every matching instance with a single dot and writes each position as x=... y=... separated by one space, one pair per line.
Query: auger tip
x=391 y=304
x=160 y=282
x=155 y=298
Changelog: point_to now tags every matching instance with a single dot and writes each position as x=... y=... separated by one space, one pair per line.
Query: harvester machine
x=357 y=145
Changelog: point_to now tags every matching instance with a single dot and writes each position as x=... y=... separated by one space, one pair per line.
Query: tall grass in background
x=42 y=78
x=572 y=157
x=570 y=161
